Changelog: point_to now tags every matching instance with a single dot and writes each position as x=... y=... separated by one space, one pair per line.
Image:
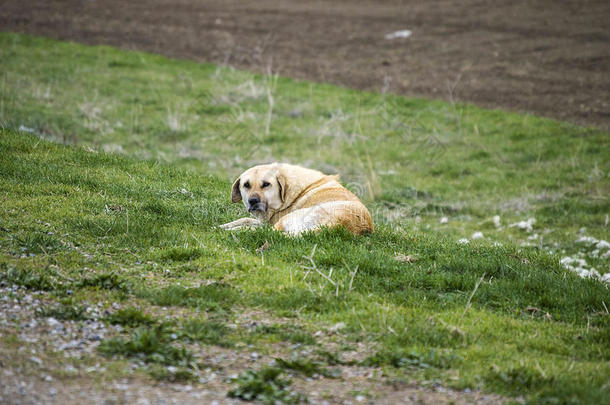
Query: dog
x=295 y=199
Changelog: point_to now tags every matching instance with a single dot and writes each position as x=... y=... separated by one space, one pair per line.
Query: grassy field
x=498 y=313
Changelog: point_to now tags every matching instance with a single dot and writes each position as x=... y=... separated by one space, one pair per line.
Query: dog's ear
x=281 y=180
x=235 y=194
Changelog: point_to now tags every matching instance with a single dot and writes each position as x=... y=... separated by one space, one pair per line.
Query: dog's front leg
x=242 y=223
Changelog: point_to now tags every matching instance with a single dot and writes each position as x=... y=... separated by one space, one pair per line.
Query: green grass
x=284 y=333
x=413 y=161
x=131 y=317
x=208 y=332
x=66 y=310
x=306 y=367
x=410 y=310
x=213 y=297
x=81 y=223
x=266 y=385
x=154 y=347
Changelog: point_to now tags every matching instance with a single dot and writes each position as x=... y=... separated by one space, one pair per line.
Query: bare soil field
x=546 y=57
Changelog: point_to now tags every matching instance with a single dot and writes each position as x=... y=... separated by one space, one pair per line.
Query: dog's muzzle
x=255 y=204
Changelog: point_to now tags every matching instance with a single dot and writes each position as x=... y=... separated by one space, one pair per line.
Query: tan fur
x=296 y=199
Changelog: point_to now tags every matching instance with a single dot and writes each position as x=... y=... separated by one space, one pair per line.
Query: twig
x=310 y=258
x=271 y=86
x=540 y=369
x=325 y=276
x=476 y=286
x=352 y=279
x=315 y=268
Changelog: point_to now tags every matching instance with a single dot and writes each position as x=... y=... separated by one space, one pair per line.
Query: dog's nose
x=254 y=200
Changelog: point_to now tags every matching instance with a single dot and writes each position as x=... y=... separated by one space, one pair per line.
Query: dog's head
x=262 y=189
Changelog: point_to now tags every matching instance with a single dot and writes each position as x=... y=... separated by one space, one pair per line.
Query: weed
x=288 y=333
x=65 y=311
x=106 y=281
x=411 y=359
x=518 y=378
x=131 y=317
x=36 y=243
x=180 y=254
x=171 y=373
x=39 y=280
x=265 y=385
x=334 y=359
x=307 y=367
x=208 y=332
x=212 y=297
x=151 y=345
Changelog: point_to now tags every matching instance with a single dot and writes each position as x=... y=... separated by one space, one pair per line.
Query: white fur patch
x=307 y=219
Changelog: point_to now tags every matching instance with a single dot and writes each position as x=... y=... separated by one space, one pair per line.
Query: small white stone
x=398 y=34
x=26 y=129
x=587 y=239
x=602 y=244
x=54 y=323
x=444 y=220
x=338 y=326
x=594 y=253
x=477 y=235
x=525 y=225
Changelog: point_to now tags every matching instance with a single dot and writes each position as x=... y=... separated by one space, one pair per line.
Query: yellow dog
x=294 y=199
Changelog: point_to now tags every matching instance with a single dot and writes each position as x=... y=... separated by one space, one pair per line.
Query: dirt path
x=545 y=57
x=44 y=360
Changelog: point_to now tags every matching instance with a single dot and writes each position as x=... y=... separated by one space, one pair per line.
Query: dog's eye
x=265 y=184
x=247 y=184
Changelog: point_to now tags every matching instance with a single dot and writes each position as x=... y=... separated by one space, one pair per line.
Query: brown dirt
x=545 y=57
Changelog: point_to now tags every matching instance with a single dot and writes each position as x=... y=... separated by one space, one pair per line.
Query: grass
x=413 y=161
x=404 y=307
x=131 y=317
x=208 y=332
x=306 y=367
x=153 y=346
x=265 y=385
x=81 y=223
x=66 y=310
x=284 y=333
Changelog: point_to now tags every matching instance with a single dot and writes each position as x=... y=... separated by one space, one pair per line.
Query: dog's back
x=324 y=202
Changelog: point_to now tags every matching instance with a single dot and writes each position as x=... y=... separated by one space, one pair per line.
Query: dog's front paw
x=241 y=223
